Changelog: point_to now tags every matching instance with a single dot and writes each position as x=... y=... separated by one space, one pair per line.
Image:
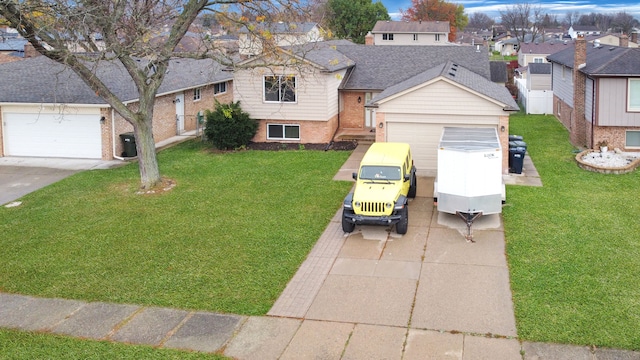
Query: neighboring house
x=617 y=40
x=537 y=52
x=508 y=47
x=396 y=93
x=597 y=94
x=11 y=48
x=584 y=30
x=46 y=110
x=281 y=34
x=387 y=32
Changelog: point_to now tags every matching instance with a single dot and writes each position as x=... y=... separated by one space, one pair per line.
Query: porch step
x=363 y=136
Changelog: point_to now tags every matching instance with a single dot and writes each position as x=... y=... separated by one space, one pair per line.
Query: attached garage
x=424 y=136
x=417 y=110
x=49 y=134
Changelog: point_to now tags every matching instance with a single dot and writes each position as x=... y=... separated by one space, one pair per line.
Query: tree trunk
x=147 y=159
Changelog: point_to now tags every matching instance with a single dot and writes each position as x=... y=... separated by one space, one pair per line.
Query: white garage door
x=52 y=135
x=423 y=139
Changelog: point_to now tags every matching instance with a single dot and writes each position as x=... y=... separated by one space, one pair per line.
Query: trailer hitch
x=469 y=218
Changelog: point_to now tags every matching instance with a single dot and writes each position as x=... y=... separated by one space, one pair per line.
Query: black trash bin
x=129 y=145
x=515 y=138
x=516 y=159
x=517 y=143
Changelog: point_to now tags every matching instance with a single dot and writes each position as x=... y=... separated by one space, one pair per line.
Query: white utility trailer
x=469 y=180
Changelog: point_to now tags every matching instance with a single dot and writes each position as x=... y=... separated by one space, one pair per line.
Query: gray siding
x=588 y=100
x=563 y=85
x=612 y=103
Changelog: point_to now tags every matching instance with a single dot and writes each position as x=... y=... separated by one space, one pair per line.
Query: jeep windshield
x=382 y=173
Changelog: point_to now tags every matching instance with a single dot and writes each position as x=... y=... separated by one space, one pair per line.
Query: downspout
x=113 y=135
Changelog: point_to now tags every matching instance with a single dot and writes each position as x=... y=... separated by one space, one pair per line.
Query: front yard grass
x=227 y=238
x=573 y=246
x=18 y=345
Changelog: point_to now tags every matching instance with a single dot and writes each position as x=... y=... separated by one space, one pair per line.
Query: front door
x=179 y=101
x=369 y=113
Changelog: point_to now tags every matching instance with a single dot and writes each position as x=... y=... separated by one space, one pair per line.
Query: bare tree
x=480 y=21
x=624 y=23
x=128 y=29
x=601 y=21
x=522 y=19
x=571 y=18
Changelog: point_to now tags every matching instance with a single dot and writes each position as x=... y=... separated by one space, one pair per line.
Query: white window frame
x=415 y=37
x=281 y=95
x=217 y=88
x=633 y=95
x=284 y=132
x=538 y=60
x=626 y=140
x=387 y=36
x=197 y=94
x=437 y=37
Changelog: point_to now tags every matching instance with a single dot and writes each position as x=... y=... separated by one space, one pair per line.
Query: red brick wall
x=614 y=135
x=311 y=132
x=352 y=113
x=206 y=102
x=578 y=128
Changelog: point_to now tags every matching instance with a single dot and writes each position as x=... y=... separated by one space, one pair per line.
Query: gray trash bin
x=129 y=145
x=516 y=159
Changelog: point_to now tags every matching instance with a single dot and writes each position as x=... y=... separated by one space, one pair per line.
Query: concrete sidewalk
x=371 y=294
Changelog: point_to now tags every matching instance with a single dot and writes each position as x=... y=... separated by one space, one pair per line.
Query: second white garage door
x=423 y=139
x=52 y=135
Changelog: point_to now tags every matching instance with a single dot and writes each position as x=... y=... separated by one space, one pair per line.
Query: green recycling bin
x=129 y=145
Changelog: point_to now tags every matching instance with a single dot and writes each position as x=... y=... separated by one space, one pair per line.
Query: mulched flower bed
x=338 y=145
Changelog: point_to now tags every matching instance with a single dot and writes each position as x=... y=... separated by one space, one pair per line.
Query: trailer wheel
x=413 y=187
x=346 y=225
x=403 y=224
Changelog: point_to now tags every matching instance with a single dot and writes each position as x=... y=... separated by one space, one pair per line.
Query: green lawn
x=573 y=246
x=227 y=238
x=17 y=345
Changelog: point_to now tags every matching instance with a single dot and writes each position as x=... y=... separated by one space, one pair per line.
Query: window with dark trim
x=387 y=37
x=220 y=88
x=196 y=94
x=280 y=88
x=283 y=132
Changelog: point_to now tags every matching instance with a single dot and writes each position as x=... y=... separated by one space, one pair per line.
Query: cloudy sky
x=493 y=7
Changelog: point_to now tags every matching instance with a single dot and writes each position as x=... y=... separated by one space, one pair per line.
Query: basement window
x=283 y=132
x=632 y=139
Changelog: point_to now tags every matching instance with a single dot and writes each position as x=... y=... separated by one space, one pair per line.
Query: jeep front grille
x=373 y=207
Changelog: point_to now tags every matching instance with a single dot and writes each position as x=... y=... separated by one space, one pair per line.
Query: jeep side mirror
x=354 y=176
x=407 y=177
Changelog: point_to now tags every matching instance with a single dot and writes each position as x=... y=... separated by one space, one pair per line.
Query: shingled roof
x=451 y=71
x=603 y=60
x=42 y=80
x=414 y=27
x=379 y=67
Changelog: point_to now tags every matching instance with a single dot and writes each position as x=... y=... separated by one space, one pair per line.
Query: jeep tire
x=346 y=225
x=403 y=224
x=413 y=187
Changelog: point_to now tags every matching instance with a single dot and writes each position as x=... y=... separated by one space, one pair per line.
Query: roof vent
x=452 y=74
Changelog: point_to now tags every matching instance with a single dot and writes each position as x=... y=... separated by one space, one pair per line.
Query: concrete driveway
x=20 y=176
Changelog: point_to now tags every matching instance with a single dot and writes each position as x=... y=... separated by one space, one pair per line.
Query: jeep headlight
x=357 y=204
x=388 y=205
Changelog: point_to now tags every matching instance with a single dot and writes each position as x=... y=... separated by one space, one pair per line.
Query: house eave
x=101 y=106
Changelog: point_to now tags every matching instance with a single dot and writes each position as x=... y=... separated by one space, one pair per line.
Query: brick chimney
x=578 y=130
x=624 y=40
x=369 y=39
x=634 y=37
x=30 y=51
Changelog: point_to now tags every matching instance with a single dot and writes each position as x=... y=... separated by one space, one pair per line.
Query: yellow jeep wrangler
x=384 y=182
